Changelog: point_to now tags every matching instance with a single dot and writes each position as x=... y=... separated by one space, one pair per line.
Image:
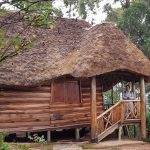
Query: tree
x=135 y=22
x=39 y=13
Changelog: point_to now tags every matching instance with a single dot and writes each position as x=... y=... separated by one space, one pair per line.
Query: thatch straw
x=72 y=48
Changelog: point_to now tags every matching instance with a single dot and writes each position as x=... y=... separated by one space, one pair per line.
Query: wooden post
x=133 y=88
x=142 y=108
x=93 y=111
x=112 y=94
x=48 y=136
x=28 y=134
x=77 y=134
x=122 y=88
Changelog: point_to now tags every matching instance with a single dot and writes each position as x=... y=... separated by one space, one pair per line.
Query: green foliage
x=16 y=44
x=3 y=145
x=114 y=15
x=135 y=22
x=148 y=120
x=107 y=97
x=38 y=139
x=36 y=13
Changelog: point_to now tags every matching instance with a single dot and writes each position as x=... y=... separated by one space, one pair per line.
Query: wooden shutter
x=58 y=91
x=72 y=93
x=65 y=92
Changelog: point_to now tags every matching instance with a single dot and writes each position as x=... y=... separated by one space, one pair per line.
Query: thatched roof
x=73 y=48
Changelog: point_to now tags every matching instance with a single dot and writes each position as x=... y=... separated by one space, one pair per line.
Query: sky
x=99 y=17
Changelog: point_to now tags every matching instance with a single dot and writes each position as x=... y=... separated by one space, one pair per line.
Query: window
x=65 y=91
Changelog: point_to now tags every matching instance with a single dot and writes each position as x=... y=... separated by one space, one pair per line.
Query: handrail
x=115 y=106
x=108 y=110
x=121 y=112
x=137 y=100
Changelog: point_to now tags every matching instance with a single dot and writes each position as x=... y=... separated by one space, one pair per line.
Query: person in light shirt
x=128 y=94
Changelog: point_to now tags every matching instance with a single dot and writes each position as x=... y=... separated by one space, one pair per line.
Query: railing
x=124 y=110
x=131 y=110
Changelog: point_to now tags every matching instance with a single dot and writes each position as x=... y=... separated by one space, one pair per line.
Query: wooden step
x=108 y=131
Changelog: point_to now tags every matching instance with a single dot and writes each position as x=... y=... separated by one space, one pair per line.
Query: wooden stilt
x=120 y=132
x=77 y=134
x=93 y=111
x=28 y=134
x=143 y=108
x=48 y=136
x=138 y=132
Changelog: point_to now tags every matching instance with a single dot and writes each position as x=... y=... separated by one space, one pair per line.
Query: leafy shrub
x=148 y=120
x=38 y=139
x=3 y=145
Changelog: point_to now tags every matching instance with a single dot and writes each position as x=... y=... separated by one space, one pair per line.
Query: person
x=128 y=94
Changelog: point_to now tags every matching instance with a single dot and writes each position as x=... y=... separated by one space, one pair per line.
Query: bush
x=3 y=145
x=38 y=139
x=148 y=120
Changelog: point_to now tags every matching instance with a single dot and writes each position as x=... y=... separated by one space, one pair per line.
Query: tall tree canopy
x=135 y=22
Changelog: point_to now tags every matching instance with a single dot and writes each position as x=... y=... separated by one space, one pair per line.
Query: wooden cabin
x=59 y=82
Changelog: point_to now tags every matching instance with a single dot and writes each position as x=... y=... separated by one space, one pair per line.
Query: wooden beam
x=93 y=111
x=143 y=109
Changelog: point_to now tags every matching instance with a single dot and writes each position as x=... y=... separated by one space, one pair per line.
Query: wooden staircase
x=123 y=112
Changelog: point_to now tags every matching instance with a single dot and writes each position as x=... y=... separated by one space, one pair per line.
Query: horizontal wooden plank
x=24 y=119
x=23 y=124
x=24 y=107
x=24 y=94
x=29 y=89
x=25 y=102
x=28 y=111
x=69 y=121
x=20 y=99
x=46 y=128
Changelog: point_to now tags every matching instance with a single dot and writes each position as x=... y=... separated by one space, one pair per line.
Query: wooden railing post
x=142 y=109
x=122 y=111
x=93 y=111
x=133 y=88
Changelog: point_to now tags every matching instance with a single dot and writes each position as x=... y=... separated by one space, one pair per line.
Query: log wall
x=32 y=109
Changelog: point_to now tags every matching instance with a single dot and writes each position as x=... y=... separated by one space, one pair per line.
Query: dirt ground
x=106 y=145
x=118 y=145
